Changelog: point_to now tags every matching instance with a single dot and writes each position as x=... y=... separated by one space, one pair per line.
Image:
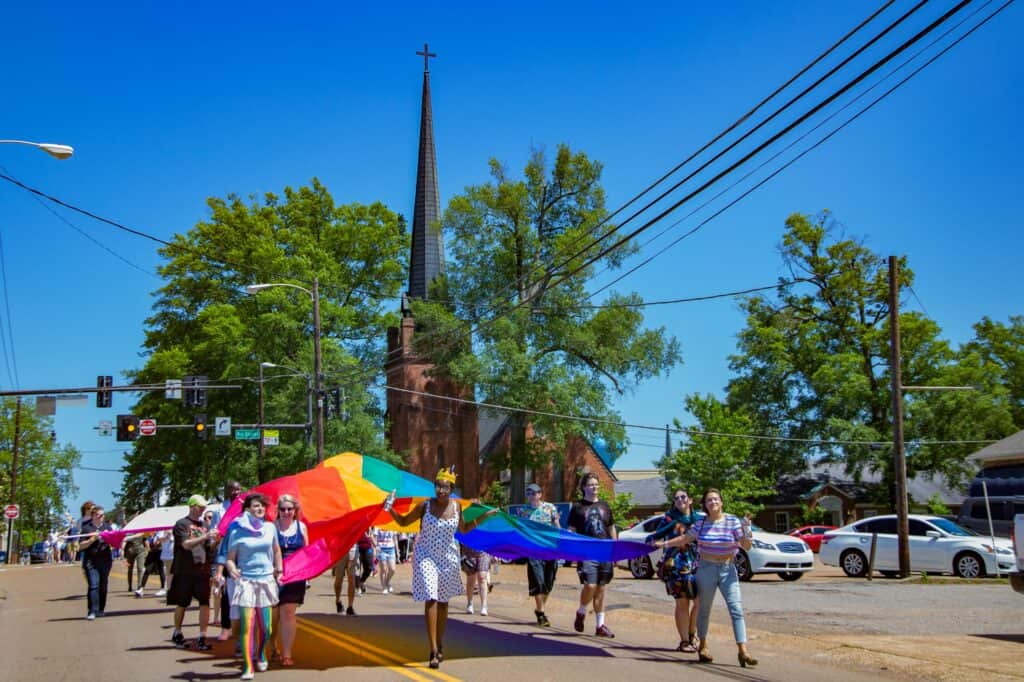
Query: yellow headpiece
x=446 y=475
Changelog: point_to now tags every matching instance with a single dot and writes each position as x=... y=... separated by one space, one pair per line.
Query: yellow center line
x=374 y=653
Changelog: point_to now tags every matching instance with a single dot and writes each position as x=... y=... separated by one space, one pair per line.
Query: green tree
x=813 y=363
x=205 y=324
x=45 y=470
x=622 y=506
x=1001 y=345
x=714 y=461
x=936 y=506
x=520 y=259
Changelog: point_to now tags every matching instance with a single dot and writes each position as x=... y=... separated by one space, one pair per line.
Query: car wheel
x=743 y=567
x=968 y=565
x=790 y=576
x=854 y=563
x=641 y=567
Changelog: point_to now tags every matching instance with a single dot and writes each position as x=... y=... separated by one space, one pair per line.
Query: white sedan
x=784 y=555
x=936 y=545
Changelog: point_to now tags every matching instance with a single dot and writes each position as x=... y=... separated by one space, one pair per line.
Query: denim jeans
x=96 y=573
x=721 y=577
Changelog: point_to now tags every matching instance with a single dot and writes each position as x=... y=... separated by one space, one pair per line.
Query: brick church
x=432 y=420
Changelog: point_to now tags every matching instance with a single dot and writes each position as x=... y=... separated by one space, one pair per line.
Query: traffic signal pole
x=900 y=463
x=14 y=479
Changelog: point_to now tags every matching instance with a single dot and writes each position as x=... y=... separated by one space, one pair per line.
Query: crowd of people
x=236 y=578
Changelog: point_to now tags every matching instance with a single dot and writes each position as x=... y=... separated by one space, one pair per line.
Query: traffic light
x=199 y=426
x=127 y=427
x=194 y=391
x=104 y=398
x=334 y=403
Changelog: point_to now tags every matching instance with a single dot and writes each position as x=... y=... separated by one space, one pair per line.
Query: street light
x=309 y=397
x=57 y=151
x=314 y=295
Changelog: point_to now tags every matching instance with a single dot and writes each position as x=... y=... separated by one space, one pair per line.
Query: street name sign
x=147 y=427
x=271 y=436
x=247 y=434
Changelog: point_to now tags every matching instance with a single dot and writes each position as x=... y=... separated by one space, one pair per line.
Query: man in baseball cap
x=194 y=546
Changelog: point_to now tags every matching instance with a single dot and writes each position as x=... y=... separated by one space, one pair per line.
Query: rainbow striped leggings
x=256 y=631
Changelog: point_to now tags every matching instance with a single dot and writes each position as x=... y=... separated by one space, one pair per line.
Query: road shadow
x=114 y=614
x=70 y=597
x=1018 y=639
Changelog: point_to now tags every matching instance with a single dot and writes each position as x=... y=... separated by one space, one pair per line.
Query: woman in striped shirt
x=719 y=537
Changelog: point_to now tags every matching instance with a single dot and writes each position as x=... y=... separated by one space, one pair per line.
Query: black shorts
x=540 y=574
x=595 y=572
x=186 y=586
x=292 y=593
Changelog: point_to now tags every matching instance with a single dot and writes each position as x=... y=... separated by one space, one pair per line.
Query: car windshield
x=950 y=527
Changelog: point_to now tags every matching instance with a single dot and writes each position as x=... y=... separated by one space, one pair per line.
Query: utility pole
x=902 y=522
x=317 y=373
x=14 y=479
x=259 y=446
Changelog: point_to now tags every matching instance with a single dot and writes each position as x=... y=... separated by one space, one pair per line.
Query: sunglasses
x=681 y=497
x=532 y=492
x=286 y=509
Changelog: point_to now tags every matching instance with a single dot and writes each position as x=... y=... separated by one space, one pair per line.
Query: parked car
x=1017 y=575
x=783 y=555
x=812 y=535
x=936 y=545
x=37 y=554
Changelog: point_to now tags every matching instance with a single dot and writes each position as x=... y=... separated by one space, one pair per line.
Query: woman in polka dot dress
x=436 y=577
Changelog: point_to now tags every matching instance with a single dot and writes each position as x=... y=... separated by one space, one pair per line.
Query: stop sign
x=147 y=427
x=11 y=511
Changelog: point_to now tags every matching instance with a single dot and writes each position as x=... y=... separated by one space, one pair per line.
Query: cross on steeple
x=426 y=54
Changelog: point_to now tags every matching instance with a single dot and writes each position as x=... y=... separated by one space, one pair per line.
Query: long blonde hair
x=295 y=503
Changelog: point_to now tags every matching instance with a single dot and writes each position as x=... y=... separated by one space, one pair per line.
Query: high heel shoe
x=746 y=659
x=704 y=657
x=434 y=661
x=440 y=654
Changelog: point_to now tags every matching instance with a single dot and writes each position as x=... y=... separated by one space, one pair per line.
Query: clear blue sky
x=168 y=104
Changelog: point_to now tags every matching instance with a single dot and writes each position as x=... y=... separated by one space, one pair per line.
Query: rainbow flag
x=344 y=496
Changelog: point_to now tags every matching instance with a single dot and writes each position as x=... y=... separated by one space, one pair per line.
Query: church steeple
x=427 y=258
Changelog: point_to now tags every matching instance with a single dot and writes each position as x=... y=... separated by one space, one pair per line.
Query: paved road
x=43 y=634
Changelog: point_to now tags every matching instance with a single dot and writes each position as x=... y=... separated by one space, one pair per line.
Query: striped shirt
x=717 y=540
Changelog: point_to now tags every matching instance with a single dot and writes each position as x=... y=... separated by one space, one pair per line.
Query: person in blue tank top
x=291 y=537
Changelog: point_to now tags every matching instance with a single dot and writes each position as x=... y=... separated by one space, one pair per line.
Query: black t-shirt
x=592 y=518
x=99 y=550
x=197 y=559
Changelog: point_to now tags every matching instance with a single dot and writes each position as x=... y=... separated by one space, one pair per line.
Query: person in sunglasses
x=540 y=573
x=291 y=537
x=678 y=569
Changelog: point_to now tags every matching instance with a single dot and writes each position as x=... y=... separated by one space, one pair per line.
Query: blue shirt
x=254 y=549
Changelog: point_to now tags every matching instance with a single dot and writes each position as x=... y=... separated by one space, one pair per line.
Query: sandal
x=434 y=661
x=440 y=655
x=287 y=662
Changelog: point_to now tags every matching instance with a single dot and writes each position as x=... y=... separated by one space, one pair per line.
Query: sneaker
x=91 y=616
x=483 y=611
x=542 y=619
x=603 y=631
x=350 y=611
x=469 y=608
x=248 y=676
x=578 y=625
x=161 y=593
x=338 y=607
x=202 y=645
x=261 y=666
x=139 y=593
x=178 y=639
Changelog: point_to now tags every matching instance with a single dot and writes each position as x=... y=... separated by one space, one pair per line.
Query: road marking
x=374 y=653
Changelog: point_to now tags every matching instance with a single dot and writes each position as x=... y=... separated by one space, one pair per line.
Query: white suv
x=784 y=555
x=936 y=545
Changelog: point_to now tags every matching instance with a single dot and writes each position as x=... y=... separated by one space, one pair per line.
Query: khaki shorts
x=347 y=564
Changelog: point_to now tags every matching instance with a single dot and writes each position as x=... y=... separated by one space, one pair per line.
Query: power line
x=10 y=325
x=783 y=150
x=678 y=430
x=726 y=131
